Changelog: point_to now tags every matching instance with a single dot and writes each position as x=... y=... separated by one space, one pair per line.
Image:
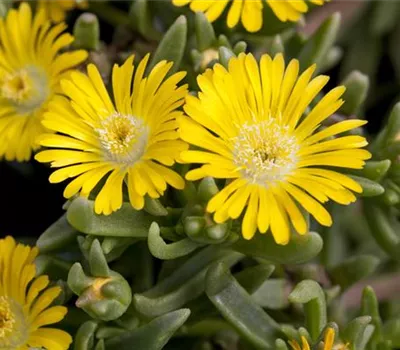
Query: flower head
x=30 y=71
x=131 y=141
x=253 y=126
x=25 y=302
x=329 y=340
x=56 y=9
x=250 y=12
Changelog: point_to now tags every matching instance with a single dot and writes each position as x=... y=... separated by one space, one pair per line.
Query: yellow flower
x=253 y=124
x=56 y=9
x=25 y=309
x=30 y=71
x=250 y=12
x=328 y=342
x=133 y=140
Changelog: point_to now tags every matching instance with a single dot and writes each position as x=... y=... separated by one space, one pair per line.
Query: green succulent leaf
x=353 y=270
x=57 y=236
x=310 y=293
x=172 y=46
x=237 y=307
x=300 y=248
x=85 y=337
x=164 y=251
x=357 y=85
x=205 y=34
x=152 y=336
x=354 y=333
x=183 y=285
x=126 y=222
x=318 y=45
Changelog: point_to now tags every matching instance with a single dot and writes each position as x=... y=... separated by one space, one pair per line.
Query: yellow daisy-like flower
x=56 y=9
x=133 y=140
x=329 y=340
x=25 y=309
x=253 y=124
x=249 y=12
x=30 y=71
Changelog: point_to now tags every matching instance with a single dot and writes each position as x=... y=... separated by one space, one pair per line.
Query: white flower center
x=13 y=328
x=265 y=152
x=25 y=89
x=123 y=138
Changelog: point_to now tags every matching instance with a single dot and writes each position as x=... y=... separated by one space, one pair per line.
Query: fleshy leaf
x=237 y=307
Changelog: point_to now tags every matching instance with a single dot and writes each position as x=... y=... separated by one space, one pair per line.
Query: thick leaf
x=357 y=85
x=154 y=207
x=370 y=307
x=319 y=44
x=374 y=170
x=84 y=338
x=184 y=285
x=384 y=17
x=152 y=336
x=205 y=34
x=310 y=293
x=52 y=266
x=164 y=251
x=57 y=236
x=140 y=15
x=237 y=307
x=300 y=248
x=225 y=55
x=391 y=331
x=353 y=270
x=172 y=46
x=355 y=331
x=250 y=279
x=381 y=227
x=393 y=125
x=370 y=188
x=87 y=32
x=97 y=260
x=126 y=222
x=273 y=294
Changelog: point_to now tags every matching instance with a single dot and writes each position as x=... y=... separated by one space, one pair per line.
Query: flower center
x=25 y=89
x=13 y=330
x=265 y=152
x=123 y=138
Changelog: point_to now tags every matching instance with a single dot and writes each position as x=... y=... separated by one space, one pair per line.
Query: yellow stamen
x=17 y=87
x=123 y=138
x=7 y=319
x=26 y=89
x=265 y=152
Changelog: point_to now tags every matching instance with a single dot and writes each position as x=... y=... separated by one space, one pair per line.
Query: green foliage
x=169 y=276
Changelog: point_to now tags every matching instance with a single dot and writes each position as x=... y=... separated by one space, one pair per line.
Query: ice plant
x=30 y=71
x=254 y=129
x=249 y=12
x=25 y=310
x=56 y=10
x=131 y=142
x=328 y=342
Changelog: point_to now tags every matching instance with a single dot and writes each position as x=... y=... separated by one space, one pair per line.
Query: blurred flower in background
x=25 y=309
x=30 y=71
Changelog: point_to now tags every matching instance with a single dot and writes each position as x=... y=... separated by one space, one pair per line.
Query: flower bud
x=105 y=298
